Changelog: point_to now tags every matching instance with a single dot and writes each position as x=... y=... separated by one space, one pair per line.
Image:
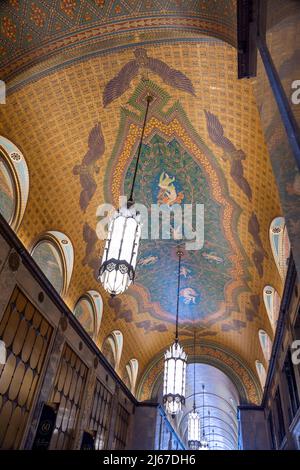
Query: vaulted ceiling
x=72 y=67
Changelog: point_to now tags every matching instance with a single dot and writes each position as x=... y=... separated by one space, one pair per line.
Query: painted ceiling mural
x=31 y=31
x=176 y=167
x=203 y=144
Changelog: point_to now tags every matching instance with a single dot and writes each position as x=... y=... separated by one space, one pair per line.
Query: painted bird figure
x=88 y=168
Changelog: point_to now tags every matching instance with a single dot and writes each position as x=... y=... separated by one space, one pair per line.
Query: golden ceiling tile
x=51 y=120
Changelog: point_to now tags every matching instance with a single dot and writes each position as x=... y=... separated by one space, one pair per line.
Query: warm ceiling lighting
x=124 y=232
x=175 y=367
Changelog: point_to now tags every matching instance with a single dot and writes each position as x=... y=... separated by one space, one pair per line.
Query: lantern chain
x=130 y=200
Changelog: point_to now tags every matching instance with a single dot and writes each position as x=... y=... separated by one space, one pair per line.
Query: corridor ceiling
x=77 y=74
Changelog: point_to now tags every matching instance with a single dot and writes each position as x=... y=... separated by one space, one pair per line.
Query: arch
x=14 y=183
x=54 y=254
x=280 y=245
x=211 y=402
x=131 y=372
x=112 y=348
x=261 y=372
x=266 y=344
x=88 y=310
x=245 y=380
x=272 y=302
x=98 y=308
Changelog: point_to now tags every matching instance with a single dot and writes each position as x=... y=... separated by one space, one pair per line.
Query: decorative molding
x=241 y=375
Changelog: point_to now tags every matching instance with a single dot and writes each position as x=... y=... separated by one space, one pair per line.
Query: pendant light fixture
x=204 y=443
x=175 y=366
x=124 y=232
x=194 y=418
x=213 y=439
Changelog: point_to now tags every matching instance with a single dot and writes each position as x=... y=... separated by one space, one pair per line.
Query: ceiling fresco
x=177 y=168
x=35 y=30
x=78 y=123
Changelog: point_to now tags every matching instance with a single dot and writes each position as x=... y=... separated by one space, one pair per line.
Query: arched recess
x=112 y=348
x=14 y=183
x=241 y=375
x=88 y=310
x=131 y=372
x=266 y=344
x=216 y=404
x=272 y=304
x=280 y=245
x=261 y=372
x=54 y=254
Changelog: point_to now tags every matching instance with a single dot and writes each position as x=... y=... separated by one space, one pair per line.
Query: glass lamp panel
x=184 y=378
x=128 y=239
x=171 y=375
x=136 y=247
x=178 y=377
x=194 y=427
x=116 y=237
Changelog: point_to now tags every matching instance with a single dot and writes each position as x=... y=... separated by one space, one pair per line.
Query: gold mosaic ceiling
x=50 y=119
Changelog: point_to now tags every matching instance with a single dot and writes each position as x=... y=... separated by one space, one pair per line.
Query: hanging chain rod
x=130 y=200
x=194 y=406
x=179 y=253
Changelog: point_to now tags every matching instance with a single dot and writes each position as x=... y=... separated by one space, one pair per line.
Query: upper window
x=7 y=192
x=266 y=344
x=112 y=348
x=272 y=304
x=131 y=371
x=54 y=255
x=85 y=314
x=280 y=245
x=261 y=371
x=88 y=311
x=14 y=183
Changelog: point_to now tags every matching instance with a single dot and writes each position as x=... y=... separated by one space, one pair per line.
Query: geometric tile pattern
x=52 y=128
x=31 y=29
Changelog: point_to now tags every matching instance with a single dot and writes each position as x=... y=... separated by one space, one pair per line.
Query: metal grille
x=67 y=394
x=27 y=335
x=99 y=419
x=121 y=427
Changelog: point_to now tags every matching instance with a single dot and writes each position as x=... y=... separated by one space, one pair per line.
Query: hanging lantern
x=194 y=430
x=120 y=252
x=175 y=367
x=204 y=442
x=121 y=248
x=174 y=379
x=204 y=445
x=194 y=418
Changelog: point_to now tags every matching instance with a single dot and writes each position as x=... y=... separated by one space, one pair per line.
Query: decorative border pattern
x=174 y=122
x=246 y=382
